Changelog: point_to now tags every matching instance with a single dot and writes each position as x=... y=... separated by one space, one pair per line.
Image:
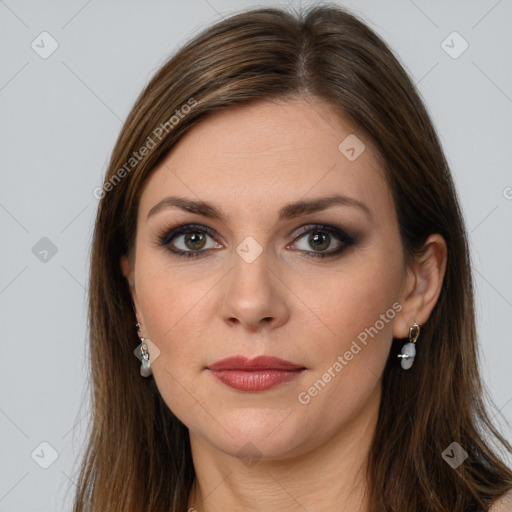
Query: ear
x=422 y=285
x=127 y=267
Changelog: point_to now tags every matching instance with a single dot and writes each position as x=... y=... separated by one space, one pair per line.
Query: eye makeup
x=317 y=231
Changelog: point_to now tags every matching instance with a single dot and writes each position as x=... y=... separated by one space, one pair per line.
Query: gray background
x=60 y=118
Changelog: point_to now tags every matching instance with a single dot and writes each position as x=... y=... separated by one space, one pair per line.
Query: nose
x=253 y=295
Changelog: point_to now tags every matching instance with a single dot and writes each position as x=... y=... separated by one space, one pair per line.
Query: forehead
x=261 y=156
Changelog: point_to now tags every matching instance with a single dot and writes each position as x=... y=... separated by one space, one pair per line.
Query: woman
x=280 y=243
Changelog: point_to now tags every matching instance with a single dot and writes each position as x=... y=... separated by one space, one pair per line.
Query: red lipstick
x=257 y=374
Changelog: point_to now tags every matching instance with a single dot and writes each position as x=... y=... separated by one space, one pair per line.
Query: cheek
x=355 y=300
x=177 y=307
x=357 y=308
x=171 y=297
x=345 y=380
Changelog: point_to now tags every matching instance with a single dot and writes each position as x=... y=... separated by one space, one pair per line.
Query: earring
x=145 y=367
x=409 y=349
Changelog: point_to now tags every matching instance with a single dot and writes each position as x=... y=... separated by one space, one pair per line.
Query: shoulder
x=502 y=504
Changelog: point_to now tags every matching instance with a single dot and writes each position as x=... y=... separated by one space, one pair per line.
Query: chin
x=257 y=433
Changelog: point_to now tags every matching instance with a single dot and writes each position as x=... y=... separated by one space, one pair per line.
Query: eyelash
x=165 y=236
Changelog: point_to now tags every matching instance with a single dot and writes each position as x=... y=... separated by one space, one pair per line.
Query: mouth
x=257 y=374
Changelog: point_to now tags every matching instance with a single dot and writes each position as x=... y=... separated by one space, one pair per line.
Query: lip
x=257 y=374
x=256 y=363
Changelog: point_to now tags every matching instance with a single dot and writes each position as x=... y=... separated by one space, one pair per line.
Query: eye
x=191 y=240
x=188 y=240
x=320 y=237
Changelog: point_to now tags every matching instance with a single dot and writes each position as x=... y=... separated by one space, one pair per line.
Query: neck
x=328 y=477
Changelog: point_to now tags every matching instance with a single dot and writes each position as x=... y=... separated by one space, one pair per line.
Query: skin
x=251 y=161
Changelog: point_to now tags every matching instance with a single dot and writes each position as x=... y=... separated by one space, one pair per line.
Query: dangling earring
x=409 y=349
x=145 y=367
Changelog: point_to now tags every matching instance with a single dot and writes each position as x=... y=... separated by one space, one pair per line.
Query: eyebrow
x=288 y=211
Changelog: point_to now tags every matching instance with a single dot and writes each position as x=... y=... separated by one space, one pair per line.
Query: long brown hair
x=138 y=454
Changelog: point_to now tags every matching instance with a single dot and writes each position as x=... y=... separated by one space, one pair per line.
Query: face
x=317 y=287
